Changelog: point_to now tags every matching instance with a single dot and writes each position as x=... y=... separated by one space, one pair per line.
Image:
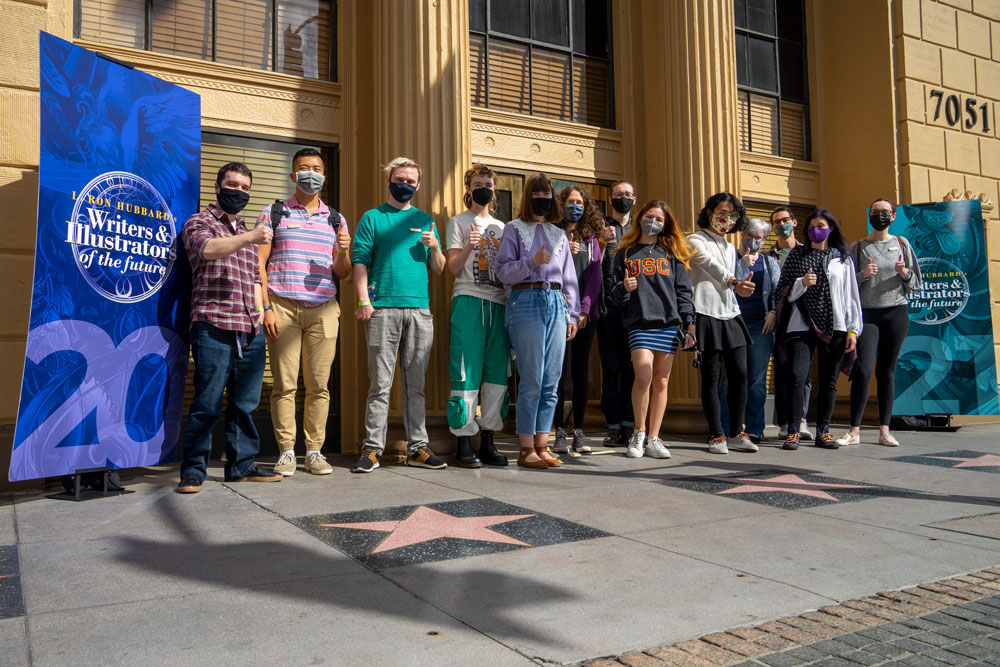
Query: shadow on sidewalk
x=491 y=595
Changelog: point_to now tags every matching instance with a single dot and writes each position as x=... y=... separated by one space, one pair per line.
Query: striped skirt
x=657 y=340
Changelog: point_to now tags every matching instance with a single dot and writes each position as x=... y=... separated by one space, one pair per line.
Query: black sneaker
x=189 y=484
x=368 y=461
x=826 y=441
x=755 y=439
x=258 y=474
x=422 y=457
x=613 y=438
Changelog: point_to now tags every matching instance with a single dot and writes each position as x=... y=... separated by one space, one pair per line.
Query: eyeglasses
x=623 y=195
x=781 y=221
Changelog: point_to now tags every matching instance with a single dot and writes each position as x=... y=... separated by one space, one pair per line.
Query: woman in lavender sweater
x=543 y=308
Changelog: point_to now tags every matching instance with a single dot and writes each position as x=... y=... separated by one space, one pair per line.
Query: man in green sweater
x=394 y=246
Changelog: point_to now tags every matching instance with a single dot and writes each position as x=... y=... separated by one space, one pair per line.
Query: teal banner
x=947 y=364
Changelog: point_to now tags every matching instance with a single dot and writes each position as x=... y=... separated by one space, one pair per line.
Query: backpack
x=278 y=210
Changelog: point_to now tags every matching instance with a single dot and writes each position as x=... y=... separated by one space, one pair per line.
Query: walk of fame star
x=962 y=458
x=779 y=488
x=406 y=535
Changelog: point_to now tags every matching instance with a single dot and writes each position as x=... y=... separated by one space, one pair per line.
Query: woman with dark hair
x=818 y=310
x=887 y=271
x=652 y=287
x=582 y=222
x=535 y=265
x=722 y=336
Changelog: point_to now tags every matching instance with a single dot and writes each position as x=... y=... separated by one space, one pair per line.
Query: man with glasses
x=617 y=374
x=783 y=222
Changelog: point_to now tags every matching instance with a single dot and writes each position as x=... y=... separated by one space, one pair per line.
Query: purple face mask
x=818 y=234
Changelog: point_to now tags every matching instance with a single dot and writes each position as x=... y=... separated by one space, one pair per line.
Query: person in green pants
x=479 y=350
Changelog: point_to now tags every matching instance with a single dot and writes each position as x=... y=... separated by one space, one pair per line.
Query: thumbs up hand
x=901 y=266
x=429 y=239
x=744 y=288
x=871 y=268
x=543 y=256
x=809 y=279
x=574 y=246
x=630 y=282
x=343 y=237
x=474 y=236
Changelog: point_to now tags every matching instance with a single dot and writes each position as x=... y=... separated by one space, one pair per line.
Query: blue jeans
x=536 y=322
x=217 y=367
x=758 y=356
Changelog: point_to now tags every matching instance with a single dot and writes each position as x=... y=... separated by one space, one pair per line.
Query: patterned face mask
x=723 y=224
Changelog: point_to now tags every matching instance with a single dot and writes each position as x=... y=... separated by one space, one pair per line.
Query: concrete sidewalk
x=405 y=566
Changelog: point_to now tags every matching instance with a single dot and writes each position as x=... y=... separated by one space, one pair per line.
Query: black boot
x=488 y=453
x=466 y=457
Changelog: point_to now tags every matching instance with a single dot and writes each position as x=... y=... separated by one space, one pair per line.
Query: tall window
x=547 y=58
x=290 y=36
x=771 y=73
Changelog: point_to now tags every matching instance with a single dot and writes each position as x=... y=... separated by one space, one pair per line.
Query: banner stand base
x=90 y=483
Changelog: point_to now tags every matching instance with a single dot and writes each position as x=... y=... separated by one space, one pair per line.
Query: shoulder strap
x=333 y=218
x=277 y=211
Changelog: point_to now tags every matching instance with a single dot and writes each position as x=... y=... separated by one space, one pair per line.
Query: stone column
x=406 y=92
x=680 y=118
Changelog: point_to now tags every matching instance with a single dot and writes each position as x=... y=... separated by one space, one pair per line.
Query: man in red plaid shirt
x=226 y=342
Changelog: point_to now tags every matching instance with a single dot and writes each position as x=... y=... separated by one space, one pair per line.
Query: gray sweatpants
x=406 y=334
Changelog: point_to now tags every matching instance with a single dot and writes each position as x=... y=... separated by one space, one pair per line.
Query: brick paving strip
x=951 y=622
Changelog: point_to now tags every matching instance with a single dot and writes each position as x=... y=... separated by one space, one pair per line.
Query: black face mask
x=622 y=205
x=541 y=205
x=482 y=196
x=232 y=201
x=880 y=220
x=402 y=192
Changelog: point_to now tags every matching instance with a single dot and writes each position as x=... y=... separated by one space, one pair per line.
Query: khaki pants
x=307 y=335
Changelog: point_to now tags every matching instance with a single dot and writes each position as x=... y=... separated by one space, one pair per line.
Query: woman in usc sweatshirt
x=651 y=285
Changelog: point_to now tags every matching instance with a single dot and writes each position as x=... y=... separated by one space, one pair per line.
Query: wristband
x=266 y=308
x=342 y=252
x=364 y=303
x=259 y=309
x=851 y=333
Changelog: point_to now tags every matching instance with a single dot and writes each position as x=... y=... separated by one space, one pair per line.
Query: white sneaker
x=888 y=441
x=804 y=429
x=635 y=444
x=286 y=463
x=741 y=443
x=849 y=439
x=560 y=446
x=718 y=445
x=656 y=449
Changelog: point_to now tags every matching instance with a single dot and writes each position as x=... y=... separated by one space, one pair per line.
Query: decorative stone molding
x=501 y=139
x=778 y=179
x=987 y=203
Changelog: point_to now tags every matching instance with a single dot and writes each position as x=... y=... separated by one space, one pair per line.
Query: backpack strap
x=334 y=217
x=277 y=212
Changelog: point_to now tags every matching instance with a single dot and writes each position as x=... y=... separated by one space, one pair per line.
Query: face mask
x=309 y=182
x=784 y=230
x=818 y=234
x=402 y=192
x=573 y=212
x=541 y=205
x=880 y=220
x=722 y=224
x=232 y=201
x=651 y=227
x=482 y=196
x=622 y=205
x=752 y=245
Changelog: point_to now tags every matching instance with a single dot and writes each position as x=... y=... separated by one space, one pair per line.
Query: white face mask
x=310 y=182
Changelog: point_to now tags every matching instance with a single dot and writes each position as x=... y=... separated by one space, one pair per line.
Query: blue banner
x=106 y=359
x=947 y=364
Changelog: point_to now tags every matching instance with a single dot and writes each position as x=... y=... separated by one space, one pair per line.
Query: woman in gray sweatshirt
x=887 y=271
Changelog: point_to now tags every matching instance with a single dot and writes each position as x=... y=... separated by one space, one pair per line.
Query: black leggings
x=735 y=362
x=800 y=347
x=878 y=350
x=578 y=361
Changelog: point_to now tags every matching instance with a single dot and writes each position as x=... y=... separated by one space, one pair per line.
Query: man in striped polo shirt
x=301 y=313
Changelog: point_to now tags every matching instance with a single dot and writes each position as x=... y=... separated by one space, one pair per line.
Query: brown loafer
x=545 y=455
